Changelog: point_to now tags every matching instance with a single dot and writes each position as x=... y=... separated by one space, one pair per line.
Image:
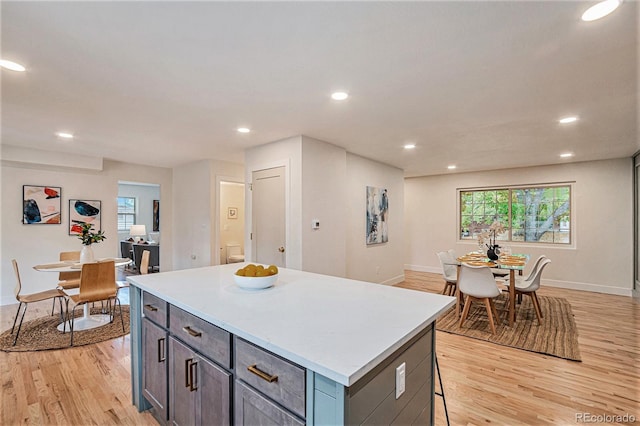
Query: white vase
x=86 y=255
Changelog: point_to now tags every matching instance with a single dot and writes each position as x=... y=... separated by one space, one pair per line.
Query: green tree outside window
x=532 y=214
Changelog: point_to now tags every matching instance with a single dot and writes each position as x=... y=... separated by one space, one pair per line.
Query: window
x=126 y=213
x=531 y=214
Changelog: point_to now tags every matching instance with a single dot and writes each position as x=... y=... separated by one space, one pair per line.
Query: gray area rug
x=41 y=334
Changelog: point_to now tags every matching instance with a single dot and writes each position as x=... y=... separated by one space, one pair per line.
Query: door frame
x=635 y=291
x=248 y=220
x=219 y=179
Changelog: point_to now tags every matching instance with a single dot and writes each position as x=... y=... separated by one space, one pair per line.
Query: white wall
x=324 y=196
x=382 y=263
x=34 y=244
x=192 y=216
x=144 y=195
x=286 y=153
x=325 y=182
x=196 y=216
x=601 y=255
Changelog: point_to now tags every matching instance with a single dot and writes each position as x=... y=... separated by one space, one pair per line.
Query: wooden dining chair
x=478 y=284
x=69 y=280
x=144 y=262
x=25 y=299
x=97 y=284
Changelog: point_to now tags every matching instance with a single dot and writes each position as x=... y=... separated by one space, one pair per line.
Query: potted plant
x=495 y=229
x=89 y=237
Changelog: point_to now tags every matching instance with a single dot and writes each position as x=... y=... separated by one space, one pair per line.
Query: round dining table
x=87 y=321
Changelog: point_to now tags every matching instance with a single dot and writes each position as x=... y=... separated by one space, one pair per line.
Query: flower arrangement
x=495 y=229
x=88 y=237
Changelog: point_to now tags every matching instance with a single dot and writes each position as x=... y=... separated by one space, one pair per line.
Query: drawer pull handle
x=187 y=372
x=193 y=372
x=255 y=370
x=192 y=332
x=150 y=308
x=161 y=357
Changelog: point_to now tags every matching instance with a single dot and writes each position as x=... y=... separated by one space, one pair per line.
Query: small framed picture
x=84 y=211
x=232 y=213
x=41 y=205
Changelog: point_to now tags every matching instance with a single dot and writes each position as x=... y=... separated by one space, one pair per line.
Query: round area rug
x=41 y=334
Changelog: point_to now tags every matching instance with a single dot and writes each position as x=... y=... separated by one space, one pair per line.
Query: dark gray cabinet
x=217 y=378
x=154 y=379
x=274 y=377
x=199 y=390
x=253 y=409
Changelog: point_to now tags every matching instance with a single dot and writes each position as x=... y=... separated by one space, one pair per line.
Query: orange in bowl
x=256 y=276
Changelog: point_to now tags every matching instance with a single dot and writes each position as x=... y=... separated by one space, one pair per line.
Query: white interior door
x=268 y=216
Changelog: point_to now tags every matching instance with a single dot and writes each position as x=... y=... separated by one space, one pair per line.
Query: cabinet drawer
x=154 y=308
x=278 y=379
x=211 y=341
x=252 y=409
x=154 y=373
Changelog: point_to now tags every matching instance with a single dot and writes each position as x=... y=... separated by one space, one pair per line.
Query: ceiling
x=477 y=84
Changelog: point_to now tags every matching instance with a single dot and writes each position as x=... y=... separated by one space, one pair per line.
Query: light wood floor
x=487 y=383
x=484 y=383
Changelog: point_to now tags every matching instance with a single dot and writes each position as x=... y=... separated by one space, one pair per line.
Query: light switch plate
x=400 y=379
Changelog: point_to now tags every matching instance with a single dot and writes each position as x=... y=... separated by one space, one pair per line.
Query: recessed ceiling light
x=566 y=155
x=11 y=65
x=567 y=120
x=600 y=10
x=339 y=96
x=410 y=146
x=65 y=135
x=243 y=130
x=451 y=167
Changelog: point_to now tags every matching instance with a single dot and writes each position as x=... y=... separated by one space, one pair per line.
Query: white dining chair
x=534 y=269
x=519 y=279
x=449 y=272
x=477 y=284
x=530 y=285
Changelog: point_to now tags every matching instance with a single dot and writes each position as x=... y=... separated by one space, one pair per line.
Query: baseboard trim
x=420 y=268
x=8 y=301
x=594 y=288
x=394 y=280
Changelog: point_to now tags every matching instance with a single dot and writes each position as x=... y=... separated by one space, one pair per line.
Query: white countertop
x=337 y=327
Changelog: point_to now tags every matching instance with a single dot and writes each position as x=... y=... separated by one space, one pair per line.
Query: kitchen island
x=312 y=349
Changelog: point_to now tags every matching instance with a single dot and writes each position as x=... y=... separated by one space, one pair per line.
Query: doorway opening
x=139 y=222
x=232 y=214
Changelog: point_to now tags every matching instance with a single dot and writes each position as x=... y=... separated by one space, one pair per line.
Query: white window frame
x=510 y=188
x=134 y=214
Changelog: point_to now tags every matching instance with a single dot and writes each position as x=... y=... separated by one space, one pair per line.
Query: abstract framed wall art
x=156 y=215
x=232 y=213
x=41 y=205
x=84 y=211
x=377 y=215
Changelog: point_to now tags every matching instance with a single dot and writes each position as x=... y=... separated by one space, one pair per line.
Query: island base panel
x=372 y=400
